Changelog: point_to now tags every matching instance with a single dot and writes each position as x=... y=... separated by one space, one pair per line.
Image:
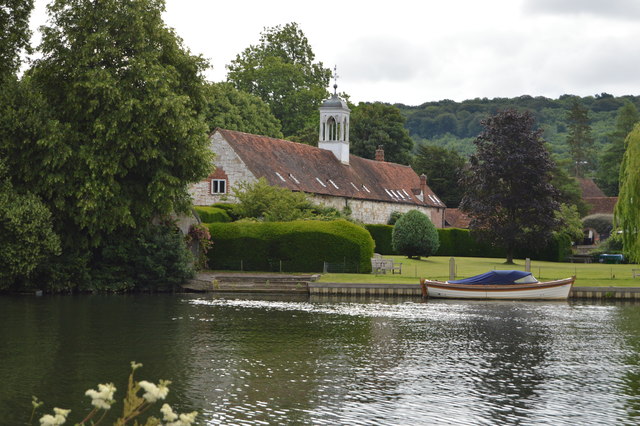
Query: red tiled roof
x=601 y=204
x=455 y=218
x=309 y=169
x=589 y=188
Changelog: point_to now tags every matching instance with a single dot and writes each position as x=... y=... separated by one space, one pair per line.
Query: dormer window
x=218 y=186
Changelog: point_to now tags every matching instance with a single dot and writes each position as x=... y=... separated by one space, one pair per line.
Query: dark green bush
x=154 y=259
x=299 y=246
x=460 y=242
x=212 y=214
x=414 y=235
x=381 y=235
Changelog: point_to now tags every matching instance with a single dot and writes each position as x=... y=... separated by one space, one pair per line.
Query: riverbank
x=226 y=282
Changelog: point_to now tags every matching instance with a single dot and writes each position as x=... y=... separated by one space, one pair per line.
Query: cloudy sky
x=413 y=51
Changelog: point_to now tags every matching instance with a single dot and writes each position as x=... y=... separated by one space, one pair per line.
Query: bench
x=381 y=266
x=635 y=273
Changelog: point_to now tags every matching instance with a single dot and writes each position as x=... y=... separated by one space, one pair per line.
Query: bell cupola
x=334 y=125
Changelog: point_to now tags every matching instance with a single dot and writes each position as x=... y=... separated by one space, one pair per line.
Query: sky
x=416 y=51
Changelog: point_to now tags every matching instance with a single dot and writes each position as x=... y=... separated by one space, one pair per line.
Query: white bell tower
x=334 y=125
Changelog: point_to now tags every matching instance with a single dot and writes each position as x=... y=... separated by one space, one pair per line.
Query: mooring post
x=423 y=286
x=452 y=268
x=527 y=265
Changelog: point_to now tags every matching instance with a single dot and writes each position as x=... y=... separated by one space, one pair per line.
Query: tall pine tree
x=580 y=140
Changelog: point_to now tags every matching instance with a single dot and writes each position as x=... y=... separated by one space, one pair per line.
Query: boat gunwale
x=499 y=287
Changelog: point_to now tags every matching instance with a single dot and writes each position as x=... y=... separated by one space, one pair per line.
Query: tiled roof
x=455 y=218
x=601 y=204
x=305 y=168
x=589 y=188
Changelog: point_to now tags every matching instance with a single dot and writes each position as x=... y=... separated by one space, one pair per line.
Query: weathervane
x=335 y=80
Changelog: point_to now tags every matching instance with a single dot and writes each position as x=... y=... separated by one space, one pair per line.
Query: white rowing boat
x=499 y=285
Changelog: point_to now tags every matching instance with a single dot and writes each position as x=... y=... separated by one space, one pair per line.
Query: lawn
x=435 y=267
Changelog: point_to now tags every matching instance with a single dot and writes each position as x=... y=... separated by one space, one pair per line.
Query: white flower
x=172 y=418
x=153 y=392
x=169 y=415
x=57 y=419
x=135 y=365
x=103 y=397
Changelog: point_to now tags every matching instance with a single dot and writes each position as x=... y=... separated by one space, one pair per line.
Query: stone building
x=329 y=174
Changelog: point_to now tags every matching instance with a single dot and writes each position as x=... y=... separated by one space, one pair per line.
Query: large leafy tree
x=508 y=195
x=609 y=165
x=579 y=138
x=14 y=33
x=111 y=130
x=233 y=109
x=627 y=213
x=282 y=71
x=444 y=168
x=377 y=124
x=124 y=102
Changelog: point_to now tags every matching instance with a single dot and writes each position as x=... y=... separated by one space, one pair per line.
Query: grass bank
x=435 y=267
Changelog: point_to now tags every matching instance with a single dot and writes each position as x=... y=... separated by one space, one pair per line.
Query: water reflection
x=330 y=360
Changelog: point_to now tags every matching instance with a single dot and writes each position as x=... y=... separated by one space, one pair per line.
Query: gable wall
x=230 y=163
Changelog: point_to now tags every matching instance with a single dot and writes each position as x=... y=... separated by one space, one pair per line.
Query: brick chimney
x=380 y=153
x=423 y=184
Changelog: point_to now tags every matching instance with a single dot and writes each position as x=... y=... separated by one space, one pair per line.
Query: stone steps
x=250 y=283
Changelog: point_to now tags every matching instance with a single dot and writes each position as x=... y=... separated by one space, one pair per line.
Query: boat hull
x=549 y=290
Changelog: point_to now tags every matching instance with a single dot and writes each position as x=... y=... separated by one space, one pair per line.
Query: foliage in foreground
x=627 y=213
x=414 y=235
x=133 y=405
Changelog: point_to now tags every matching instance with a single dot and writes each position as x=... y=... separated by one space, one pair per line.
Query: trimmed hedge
x=461 y=243
x=299 y=246
x=381 y=235
x=212 y=214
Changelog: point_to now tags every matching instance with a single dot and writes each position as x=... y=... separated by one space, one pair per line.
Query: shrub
x=299 y=246
x=228 y=208
x=414 y=235
x=381 y=235
x=156 y=258
x=212 y=214
x=393 y=218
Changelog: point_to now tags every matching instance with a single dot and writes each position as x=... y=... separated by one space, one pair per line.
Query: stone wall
x=228 y=163
x=377 y=212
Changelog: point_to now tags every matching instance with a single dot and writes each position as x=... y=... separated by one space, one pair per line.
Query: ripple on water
x=331 y=361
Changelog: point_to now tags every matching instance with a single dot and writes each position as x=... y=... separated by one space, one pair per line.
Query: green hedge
x=300 y=246
x=212 y=214
x=381 y=235
x=461 y=243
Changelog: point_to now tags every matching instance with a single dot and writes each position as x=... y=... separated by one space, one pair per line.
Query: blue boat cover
x=497 y=277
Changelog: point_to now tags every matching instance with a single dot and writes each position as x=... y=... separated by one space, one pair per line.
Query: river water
x=328 y=360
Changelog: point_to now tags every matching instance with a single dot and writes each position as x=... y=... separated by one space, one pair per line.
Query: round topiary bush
x=414 y=235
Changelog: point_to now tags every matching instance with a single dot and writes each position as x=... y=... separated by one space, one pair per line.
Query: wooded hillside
x=454 y=125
